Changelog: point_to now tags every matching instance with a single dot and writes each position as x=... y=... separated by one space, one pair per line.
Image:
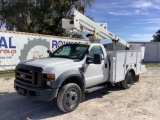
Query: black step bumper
x=46 y=94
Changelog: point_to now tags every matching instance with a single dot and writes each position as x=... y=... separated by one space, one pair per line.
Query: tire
x=69 y=97
x=128 y=80
x=118 y=84
x=136 y=78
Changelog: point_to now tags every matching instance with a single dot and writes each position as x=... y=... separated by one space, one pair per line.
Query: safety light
x=50 y=76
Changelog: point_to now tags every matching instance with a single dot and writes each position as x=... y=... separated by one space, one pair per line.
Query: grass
x=7 y=75
x=152 y=64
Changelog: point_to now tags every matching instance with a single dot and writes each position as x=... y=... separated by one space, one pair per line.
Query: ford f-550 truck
x=74 y=69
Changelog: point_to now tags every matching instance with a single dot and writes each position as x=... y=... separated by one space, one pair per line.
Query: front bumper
x=46 y=94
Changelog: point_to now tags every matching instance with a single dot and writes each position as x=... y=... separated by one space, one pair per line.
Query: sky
x=132 y=20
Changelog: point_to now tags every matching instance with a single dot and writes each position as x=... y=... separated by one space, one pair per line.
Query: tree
x=38 y=16
x=156 y=37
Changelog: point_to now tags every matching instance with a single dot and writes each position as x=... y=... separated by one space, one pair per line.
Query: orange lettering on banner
x=8 y=51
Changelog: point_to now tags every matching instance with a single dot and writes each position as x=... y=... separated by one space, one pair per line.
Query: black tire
x=136 y=78
x=69 y=97
x=128 y=80
x=118 y=84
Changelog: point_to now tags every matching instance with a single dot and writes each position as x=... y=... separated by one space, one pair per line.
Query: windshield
x=71 y=51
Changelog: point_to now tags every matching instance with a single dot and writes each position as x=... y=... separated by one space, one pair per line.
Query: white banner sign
x=16 y=47
x=57 y=42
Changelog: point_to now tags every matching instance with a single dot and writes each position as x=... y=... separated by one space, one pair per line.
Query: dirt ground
x=140 y=102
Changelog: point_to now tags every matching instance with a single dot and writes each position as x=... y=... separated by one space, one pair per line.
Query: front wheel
x=128 y=80
x=69 y=97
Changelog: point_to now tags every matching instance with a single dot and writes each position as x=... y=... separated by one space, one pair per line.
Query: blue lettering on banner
x=4 y=44
x=7 y=45
x=56 y=43
x=10 y=43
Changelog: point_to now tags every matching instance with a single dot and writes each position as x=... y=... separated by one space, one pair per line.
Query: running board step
x=94 y=88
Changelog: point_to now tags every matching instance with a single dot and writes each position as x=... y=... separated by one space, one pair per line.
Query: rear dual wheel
x=128 y=80
x=136 y=78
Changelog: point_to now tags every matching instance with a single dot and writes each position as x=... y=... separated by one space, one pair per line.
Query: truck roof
x=83 y=44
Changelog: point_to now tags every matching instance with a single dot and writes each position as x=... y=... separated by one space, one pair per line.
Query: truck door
x=96 y=73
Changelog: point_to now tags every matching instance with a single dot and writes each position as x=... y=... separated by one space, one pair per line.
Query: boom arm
x=79 y=23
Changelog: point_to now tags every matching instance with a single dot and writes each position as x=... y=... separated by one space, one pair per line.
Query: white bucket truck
x=74 y=69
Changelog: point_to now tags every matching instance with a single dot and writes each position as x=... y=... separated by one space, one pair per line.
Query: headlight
x=49 y=76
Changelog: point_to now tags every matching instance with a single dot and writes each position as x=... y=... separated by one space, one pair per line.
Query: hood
x=48 y=63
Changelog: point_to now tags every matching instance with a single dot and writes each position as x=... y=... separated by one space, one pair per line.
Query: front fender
x=58 y=82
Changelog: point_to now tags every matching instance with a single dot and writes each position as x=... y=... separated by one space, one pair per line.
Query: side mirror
x=89 y=60
x=97 y=59
x=49 y=52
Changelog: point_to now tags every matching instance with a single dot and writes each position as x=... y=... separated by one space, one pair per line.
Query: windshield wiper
x=61 y=56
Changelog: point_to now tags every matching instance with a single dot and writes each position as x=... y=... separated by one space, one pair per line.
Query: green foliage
x=152 y=64
x=7 y=74
x=77 y=36
x=156 y=37
x=38 y=16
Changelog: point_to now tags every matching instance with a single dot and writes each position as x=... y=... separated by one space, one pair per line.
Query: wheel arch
x=127 y=82
x=72 y=76
x=133 y=72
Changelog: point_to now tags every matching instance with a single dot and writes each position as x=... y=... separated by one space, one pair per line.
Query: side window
x=95 y=50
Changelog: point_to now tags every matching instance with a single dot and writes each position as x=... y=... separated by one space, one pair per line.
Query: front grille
x=25 y=76
x=28 y=75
